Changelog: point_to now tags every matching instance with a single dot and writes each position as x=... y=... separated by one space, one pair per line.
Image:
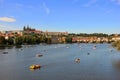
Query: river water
x=58 y=62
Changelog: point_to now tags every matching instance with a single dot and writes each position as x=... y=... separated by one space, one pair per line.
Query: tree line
x=26 y=39
x=91 y=35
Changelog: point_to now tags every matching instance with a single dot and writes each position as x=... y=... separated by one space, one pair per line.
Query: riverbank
x=116 y=45
x=4 y=45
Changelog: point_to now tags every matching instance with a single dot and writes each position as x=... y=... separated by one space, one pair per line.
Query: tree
x=42 y=38
x=10 y=41
x=69 y=39
x=18 y=40
x=48 y=40
x=33 y=40
x=2 y=40
x=37 y=40
x=116 y=44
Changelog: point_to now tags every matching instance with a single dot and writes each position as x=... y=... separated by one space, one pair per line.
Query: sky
x=73 y=16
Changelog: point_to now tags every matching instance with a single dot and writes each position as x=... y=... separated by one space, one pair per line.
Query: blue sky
x=74 y=16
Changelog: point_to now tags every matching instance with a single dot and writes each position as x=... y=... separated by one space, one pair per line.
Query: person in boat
x=39 y=55
x=88 y=53
x=5 y=52
x=77 y=60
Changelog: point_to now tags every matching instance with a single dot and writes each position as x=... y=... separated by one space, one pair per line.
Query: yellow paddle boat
x=37 y=66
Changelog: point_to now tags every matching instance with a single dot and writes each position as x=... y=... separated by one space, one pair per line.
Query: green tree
x=116 y=44
x=33 y=40
x=69 y=39
x=2 y=40
x=48 y=40
x=18 y=40
x=38 y=40
x=10 y=41
x=42 y=38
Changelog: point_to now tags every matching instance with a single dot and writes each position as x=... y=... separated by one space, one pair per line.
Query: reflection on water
x=2 y=47
x=58 y=62
x=18 y=46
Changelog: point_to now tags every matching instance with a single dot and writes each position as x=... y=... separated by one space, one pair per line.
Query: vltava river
x=58 y=62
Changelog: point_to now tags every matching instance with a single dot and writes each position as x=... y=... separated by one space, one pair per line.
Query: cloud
x=116 y=1
x=47 y=10
x=7 y=19
x=91 y=2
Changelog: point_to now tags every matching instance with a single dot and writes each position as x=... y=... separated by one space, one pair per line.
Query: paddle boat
x=77 y=60
x=36 y=66
x=5 y=52
x=88 y=53
x=39 y=55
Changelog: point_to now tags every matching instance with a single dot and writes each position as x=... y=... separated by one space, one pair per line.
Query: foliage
x=18 y=40
x=2 y=40
x=48 y=40
x=116 y=44
x=90 y=35
x=10 y=41
x=69 y=39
